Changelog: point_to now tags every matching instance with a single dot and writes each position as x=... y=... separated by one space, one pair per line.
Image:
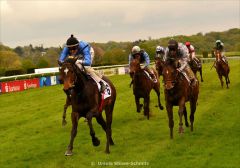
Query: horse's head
x=134 y=67
x=68 y=76
x=218 y=54
x=170 y=74
x=159 y=64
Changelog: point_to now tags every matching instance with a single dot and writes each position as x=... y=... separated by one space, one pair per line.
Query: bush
x=14 y=72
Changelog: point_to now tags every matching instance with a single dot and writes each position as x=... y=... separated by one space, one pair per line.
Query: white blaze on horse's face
x=167 y=72
x=66 y=71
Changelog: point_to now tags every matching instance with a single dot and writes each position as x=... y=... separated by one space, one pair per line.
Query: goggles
x=73 y=48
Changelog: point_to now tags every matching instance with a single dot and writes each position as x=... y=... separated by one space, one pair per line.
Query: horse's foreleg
x=200 y=71
x=146 y=106
x=137 y=101
x=185 y=117
x=158 y=95
x=180 y=113
x=68 y=103
x=95 y=140
x=226 y=80
x=75 y=118
x=221 y=80
x=170 y=119
x=193 y=109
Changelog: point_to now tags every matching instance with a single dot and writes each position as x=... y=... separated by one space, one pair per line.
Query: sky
x=51 y=22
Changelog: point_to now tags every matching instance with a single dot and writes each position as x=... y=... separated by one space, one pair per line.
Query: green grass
x=31 y=134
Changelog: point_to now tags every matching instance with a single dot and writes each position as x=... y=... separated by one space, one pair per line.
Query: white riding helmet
x=136 y=50
x=159 y=49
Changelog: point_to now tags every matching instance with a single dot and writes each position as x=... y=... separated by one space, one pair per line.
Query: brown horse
x=87 y=102
x=142 y=86
x=177 y=92
x=159 y=65
x=222 y=68
x=196 y=66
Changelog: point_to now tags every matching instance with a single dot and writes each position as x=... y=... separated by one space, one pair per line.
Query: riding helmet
x=72 y=41
x=187 y=43
x=172 y=44
x=136 y=50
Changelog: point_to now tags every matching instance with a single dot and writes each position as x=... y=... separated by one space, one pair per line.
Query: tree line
x=25 y=59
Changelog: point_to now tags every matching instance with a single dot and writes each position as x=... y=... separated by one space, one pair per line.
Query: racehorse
x=196 y=66
x=87 y=101
x=222 y=68
x=142 y=86
x=177 y=92
x=159 y=65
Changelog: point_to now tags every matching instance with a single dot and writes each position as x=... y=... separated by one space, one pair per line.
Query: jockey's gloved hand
x=179 y=70
x=60 y=63
x=79 y=61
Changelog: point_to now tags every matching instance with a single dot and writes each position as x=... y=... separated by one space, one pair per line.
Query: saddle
x=152 y=78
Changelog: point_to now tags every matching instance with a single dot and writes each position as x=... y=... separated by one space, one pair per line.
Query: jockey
x=220 y=47
x=160 y=52
x=179 y=51
x=144 y=58
x=191 y=52
x=75 y=48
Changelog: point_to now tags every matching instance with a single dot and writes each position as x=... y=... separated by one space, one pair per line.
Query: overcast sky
x=50 y=22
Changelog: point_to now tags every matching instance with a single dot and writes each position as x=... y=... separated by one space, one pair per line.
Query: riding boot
x=191 y=76
x=154 y=79
x=103 y=86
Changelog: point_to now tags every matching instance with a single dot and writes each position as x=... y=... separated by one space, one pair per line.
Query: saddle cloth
x=148 y=75
x=107 y=91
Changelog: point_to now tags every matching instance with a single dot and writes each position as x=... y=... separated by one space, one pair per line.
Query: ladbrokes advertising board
x=19 y=85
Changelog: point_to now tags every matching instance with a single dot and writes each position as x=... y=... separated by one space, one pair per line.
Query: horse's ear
x=59 y=63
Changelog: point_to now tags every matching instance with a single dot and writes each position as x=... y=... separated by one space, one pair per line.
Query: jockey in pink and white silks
x=179 y=51
x=192 y=55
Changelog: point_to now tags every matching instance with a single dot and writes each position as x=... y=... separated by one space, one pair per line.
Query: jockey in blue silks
x=74 y=48
x=144 y=58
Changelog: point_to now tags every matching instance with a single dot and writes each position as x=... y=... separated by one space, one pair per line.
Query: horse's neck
x=81 y=79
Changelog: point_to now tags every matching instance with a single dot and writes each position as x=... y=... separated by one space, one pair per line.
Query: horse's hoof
x=186 y=124
x=111 y=142
x=64 y=122
x=68 y=153
x=107 y=151
x=161 y=107
x=180 y=130
x=96 y=142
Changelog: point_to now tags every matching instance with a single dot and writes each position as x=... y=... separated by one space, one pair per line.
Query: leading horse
x=177 y=92
x=87 y=101
x=222 y=68
x=142 y=86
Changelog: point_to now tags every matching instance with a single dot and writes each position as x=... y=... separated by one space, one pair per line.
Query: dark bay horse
x=196 y=66
x=177 y=92
x=142 y=86
x=87 y=102
x=222 y=68
x=159 y=65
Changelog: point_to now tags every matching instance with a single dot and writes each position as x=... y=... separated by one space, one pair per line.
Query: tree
x=43 y=63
